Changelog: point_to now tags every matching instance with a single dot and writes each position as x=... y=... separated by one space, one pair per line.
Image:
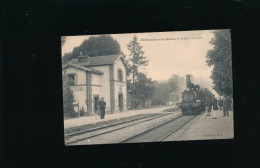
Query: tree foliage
x=136 y=60
x=143 y=88
x=94 y=46
x=63 y=40
x=159 y=89
x=174 y=84
x=220 y=58
x=68 y=99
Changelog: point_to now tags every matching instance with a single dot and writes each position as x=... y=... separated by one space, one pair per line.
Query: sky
x=169 y=53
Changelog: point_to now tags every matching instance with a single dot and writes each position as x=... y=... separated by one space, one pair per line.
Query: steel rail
x=91 y=136
x=102 y=127
x=139 y=134
x=176 y=129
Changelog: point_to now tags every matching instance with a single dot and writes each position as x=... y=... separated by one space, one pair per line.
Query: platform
x=205 y=128
x=87 y=120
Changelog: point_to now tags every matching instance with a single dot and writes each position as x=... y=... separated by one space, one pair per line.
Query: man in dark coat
x=102 y=106
x=226 y=106
x=215 y=107
x=220 y=104
x=230 y=103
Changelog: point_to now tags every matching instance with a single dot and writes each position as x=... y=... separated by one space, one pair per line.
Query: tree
x=159 y=89
x=136 y=60
x=68 y=98
x=162 y=89
x=220 y=58
x=63 y=40
x=95 y=46
x=67 y=57
x=177 y=83
x=124 y=56
x=144 y=86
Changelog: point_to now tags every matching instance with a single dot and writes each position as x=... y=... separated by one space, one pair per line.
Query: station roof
x=82 y=68
x=98 y=60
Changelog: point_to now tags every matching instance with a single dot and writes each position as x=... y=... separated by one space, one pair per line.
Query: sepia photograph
x=129 y=83
x=147 y=87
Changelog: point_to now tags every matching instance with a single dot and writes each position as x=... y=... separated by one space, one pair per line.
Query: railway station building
x=91 y=78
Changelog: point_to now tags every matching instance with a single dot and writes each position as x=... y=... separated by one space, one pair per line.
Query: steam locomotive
x=193 y=98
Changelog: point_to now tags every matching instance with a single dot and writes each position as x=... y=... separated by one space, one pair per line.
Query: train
x=193 y=98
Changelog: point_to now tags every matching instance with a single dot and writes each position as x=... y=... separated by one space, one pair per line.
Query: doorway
x=96 y=100
x=120 y=102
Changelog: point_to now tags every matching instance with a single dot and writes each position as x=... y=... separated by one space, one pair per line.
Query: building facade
x=171 y=97
x=91 y=78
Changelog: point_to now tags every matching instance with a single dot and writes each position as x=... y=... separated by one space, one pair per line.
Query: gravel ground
x=102 y=123
x=158 y=133
x=205 y=128
x=119 y=135
x=78 y=124
x=111 y=128
x=200 y=128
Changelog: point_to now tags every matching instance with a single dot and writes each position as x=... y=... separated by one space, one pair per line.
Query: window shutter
x=118 y=74
x=122 y=76
x=76 y=79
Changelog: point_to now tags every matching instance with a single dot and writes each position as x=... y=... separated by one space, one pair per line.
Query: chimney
x=188 y=81
x=83 y=59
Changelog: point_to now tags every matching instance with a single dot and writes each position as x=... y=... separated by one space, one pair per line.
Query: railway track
x=87 y=134
x=102 y=127
x=177 y=128
x=161 y=131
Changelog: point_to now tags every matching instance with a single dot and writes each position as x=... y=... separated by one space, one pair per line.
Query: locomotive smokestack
x=188 y=81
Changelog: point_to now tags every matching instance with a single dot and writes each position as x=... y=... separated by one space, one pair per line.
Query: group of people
x=212 y=105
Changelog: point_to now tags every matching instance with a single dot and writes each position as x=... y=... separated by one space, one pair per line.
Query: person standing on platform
x=203 y=100
x=208 y=106
x=230 y=103
x=220 y=103
x=102 y=106
x=215 y=107
x=226 y=106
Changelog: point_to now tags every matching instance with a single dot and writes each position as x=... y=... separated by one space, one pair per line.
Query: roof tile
x=98 y=60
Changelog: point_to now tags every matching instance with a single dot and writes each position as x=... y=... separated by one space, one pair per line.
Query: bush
x=68 y=99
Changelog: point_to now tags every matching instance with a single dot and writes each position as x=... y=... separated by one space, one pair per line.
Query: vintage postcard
x=147 y=87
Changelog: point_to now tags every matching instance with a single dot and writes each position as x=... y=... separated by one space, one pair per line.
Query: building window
x=71 y=79
x=120 y=75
